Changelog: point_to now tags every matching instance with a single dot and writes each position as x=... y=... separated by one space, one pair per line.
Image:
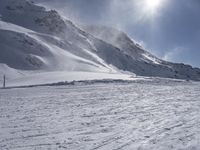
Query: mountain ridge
x=45 y=41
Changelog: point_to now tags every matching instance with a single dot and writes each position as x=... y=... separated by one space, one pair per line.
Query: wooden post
x=4 y=81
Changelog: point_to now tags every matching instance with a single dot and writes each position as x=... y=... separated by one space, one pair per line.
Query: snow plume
x=122 y=15
x=80 y=11
x=140 y=43
x=63 y=7
x=172 y=54
x=109 y=34
x=177 y=54
x=115 y=13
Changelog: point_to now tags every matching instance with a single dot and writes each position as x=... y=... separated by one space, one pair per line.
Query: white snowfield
x=42 y=78
x=113 y=116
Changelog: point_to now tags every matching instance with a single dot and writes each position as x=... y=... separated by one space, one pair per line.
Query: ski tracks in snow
x=101 y=117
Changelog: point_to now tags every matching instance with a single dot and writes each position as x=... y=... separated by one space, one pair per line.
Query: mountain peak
x=27 y=14
x=45 y=41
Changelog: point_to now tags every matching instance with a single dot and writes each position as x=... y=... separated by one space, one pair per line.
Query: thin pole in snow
x=4 y=81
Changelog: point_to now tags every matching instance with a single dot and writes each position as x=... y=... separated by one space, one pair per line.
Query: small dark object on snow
x=4 y=81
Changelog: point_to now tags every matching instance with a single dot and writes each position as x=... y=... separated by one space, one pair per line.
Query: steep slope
x=143 y=63
x=43 y=40
x=34 y=39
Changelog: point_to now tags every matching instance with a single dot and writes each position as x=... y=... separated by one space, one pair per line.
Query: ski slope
x=112 y=116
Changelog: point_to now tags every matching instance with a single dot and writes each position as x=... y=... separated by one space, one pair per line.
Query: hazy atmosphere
x=99 y=75
x=170 y=29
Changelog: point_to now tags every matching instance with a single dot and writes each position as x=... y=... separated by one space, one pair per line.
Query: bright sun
x=149 y=9
x=152 y=4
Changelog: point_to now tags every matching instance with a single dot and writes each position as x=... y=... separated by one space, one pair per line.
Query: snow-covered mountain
x=143 y=62
x=34 y=40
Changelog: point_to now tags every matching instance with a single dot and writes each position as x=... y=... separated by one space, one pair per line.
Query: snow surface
x=40 y=78
x=125 y=116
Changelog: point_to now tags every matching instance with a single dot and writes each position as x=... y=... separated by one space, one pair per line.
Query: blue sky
x=170 y=31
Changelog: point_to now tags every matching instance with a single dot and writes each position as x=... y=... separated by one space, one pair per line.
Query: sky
x=169 y=29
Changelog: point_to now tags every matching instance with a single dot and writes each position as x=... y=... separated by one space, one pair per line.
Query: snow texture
x=99 y=116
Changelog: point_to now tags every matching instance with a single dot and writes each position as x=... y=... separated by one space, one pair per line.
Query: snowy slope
x=10 y=73
x=143 y=63
x=38 y=45
x=34 y=40
x=43 y=45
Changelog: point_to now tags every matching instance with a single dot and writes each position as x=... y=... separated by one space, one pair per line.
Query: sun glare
x=153 y=4
x=148 y=10
x=151 y=8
